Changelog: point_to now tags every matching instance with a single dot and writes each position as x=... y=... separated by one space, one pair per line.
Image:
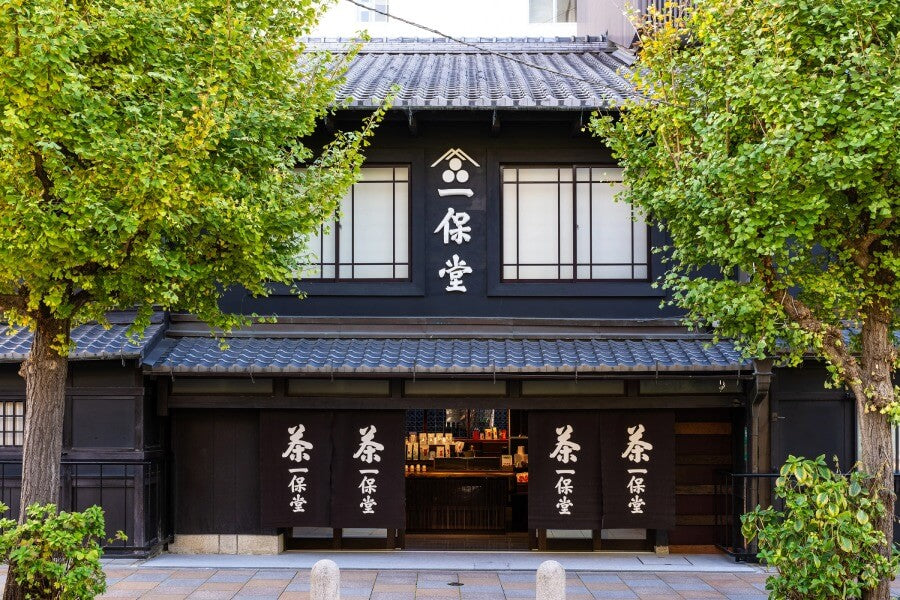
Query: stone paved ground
x=414 y=585
x=293 y=584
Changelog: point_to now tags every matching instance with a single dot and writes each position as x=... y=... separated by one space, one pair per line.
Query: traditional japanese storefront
x=452 y=458
x=481 y=263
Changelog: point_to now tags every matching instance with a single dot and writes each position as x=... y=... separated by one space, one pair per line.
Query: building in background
x=492 y=18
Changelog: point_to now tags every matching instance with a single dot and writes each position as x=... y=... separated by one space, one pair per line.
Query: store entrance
x=466 y=479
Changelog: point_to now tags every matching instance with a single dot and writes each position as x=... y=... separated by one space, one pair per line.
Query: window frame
x=575 y=263
x=414 y=159
x=577 y=289
x=18 y=419
x=337 y=234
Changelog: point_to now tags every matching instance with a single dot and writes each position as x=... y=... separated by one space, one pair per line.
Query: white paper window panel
x=510 y=226
x=566 y=225
x=509 y=174
x=640 y=272
x=611 y=226
x=639 y=239
x=539 y=272
x=538 y=223
x=345 y=227
x=606 y=174
x=401 y=222
x=539 y=174
x=362 y=271
x=376 y=174
x=611 y=272
x=373 y=223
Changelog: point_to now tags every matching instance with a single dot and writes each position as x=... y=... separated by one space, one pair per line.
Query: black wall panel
x=216 y=480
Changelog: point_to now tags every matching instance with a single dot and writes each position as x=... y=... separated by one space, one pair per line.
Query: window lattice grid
x=370 y=239
x=562 y=223
x=12 y=423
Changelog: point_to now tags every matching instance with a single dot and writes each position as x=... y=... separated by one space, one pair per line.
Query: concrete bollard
x=551 y=581
x=325 y=581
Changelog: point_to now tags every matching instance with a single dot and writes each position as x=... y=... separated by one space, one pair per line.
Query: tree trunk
x=45 y=398
x=874 y=428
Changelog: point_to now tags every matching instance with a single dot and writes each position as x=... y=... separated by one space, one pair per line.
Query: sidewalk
x=286 y=576
x=436 y=575
x=291 y=584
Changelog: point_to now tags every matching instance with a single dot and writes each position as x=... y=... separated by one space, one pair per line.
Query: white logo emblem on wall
x=454 y=172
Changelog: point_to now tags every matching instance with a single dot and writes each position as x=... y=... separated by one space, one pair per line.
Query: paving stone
x=211 y=595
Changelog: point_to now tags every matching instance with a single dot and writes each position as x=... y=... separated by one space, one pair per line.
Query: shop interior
x=466 y=489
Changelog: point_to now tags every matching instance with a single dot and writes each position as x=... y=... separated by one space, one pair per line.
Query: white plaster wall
x=471 y=18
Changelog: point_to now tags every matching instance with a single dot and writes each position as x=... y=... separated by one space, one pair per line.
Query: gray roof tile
x=376 y=355
x=92 y=342
x=441 y=73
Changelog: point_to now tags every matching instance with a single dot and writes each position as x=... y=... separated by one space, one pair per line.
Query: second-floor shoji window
x=562 y=223
x=370 y=240
x=551 y=11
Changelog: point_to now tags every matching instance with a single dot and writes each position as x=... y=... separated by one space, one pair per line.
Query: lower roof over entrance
x=457 y=355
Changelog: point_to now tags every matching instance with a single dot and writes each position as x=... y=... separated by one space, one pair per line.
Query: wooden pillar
x=542 y=540
x=661 y=542
x=595 y=540
x=391 y=538
x=337 y=538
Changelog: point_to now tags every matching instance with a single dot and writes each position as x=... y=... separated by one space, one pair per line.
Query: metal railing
x=739 y=493
x=132 y=494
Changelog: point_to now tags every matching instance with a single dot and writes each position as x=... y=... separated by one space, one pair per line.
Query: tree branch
x=41 y=173
x=833 y=346
x=79 y=299
x=12 y=302
x=862 y=245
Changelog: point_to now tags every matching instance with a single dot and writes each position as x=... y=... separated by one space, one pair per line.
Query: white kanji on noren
x=564 y=485
x=297 y=446
x=456 y=268
x=454 y=227
x=637 y=448
x=368 y=448
x=636 y=504
x=565 y=448
x=297 y=483
x=368 y=486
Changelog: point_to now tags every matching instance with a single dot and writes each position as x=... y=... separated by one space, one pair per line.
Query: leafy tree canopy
x=766 y=143
x=148 y=153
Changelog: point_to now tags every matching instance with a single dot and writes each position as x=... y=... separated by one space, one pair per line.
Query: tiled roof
x=439 y=73
x=372 y=355
x=92 y=342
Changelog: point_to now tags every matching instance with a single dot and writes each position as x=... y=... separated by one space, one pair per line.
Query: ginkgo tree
x=765 y=141
x=149 y=155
